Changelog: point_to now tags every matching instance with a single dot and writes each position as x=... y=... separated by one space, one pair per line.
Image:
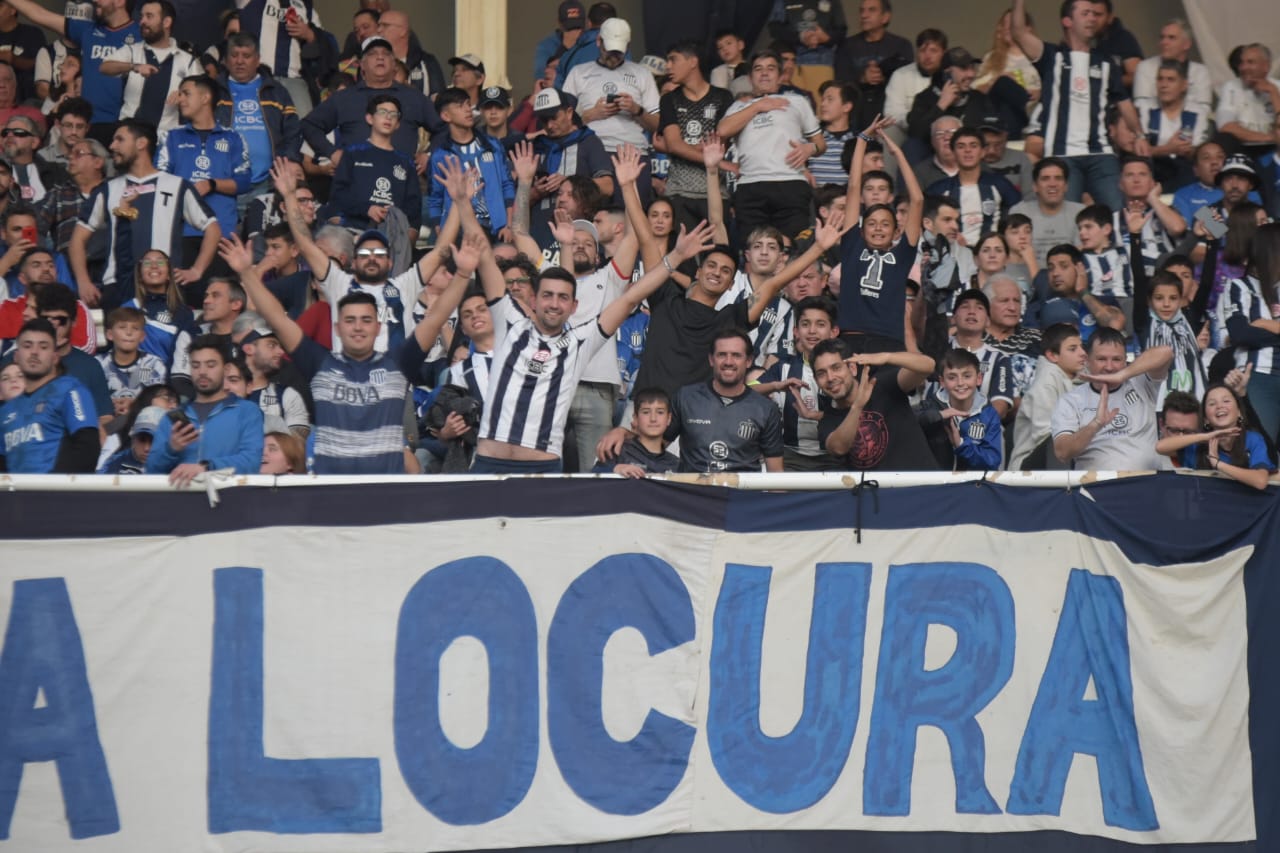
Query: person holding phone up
x=215 y=430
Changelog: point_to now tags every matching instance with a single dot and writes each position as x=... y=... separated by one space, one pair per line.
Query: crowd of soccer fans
x=292 y=249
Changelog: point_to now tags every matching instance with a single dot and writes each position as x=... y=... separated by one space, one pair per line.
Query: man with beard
x=264 y=355
x=154 y=204
x=722 y=424
x=395 y=297
x=97 y=39
x=215 y=430
x=50 y=428
x=153 y=68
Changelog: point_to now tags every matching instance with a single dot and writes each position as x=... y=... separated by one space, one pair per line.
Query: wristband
x=666 y=262
x=864 y=137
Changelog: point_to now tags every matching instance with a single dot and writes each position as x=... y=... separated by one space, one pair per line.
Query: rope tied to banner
x=864 y=487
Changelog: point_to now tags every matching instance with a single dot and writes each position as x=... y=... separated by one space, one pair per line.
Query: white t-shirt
x=1128 y=443
x=595 y=291
x=403 y=289
x=591 y=81
x=764 y=143
x=1239 y=104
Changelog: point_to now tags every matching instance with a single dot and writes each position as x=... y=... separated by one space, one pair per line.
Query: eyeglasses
x=1175 y=431
x=88 y=152
x=308 y=199
x=57 y=319
x=387 y=113
x=16 y=131
x=524 y=279
x=155 y=262
x=371 y=253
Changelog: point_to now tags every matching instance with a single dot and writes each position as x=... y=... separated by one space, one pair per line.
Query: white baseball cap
x=615 y=35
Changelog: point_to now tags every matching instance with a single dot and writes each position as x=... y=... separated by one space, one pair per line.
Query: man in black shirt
x=869 y=422
x=685 y=116
x=870 y=57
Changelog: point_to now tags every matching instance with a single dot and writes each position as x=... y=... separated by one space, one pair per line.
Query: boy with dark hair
x=495 y=191
x=789 y=381
x=127 y=369
x=731 y=49
x=962 y=428
x=373 y=177
x=1105 y=261
x=644 y=452
x=983 y=198
x=1056 y=369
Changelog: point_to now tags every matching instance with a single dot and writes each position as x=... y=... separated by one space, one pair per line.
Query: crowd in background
x=306 y=249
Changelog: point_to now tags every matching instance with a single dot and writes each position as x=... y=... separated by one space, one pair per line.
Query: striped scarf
x=1187 y=371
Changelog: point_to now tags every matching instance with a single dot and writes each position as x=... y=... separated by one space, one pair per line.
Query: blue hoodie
x=230 y=438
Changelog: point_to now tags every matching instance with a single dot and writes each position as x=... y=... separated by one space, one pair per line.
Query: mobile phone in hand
x=29 y=234
x=1210 y=222
x=178 y=417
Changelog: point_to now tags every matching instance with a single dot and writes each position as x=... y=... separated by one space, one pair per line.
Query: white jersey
x=763 y=145
x=396 y=298
x=1247 y=107
x=595 y=291
x=591 y=81
x=183 y=65
x=1128 y=442
x=533 y=378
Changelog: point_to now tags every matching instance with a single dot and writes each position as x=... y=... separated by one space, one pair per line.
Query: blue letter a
x=42 y=652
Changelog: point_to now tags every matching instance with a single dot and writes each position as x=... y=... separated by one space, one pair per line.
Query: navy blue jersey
x=369 y=176
x=36 y=424
x=97 y=42
x=873 y=292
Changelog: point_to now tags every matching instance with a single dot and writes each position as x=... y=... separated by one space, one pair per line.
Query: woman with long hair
x=1227 y=445
x=991 y=254
x=1249 y=308
x=1008 y=77
x=170 y=323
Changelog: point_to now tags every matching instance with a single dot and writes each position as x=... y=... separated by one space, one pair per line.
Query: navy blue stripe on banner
x=836 y=841
x=98 y=515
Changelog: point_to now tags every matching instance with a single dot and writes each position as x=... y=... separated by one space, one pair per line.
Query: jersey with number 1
x=873 y=286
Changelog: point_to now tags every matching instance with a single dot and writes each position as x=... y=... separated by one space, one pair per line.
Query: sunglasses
x=57 y=319
x=16 y=131
x=371 y=253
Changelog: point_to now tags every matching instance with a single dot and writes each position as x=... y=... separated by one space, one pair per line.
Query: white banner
x=514 y=682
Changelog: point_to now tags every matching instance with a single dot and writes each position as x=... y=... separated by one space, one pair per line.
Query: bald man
x=425 y=72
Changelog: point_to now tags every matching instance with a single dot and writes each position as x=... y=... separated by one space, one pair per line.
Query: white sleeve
x=1066 y=417
x=295 y=410
x=335 y=283
x=121 y=54
x=193 y=211
x=896 y=103
x=809 y=125
x=1144 y=80
x=649 y=96
x=410 y=284
x=44 y=65
x=571 y=86
x=1228 y=109
x=1200 y=86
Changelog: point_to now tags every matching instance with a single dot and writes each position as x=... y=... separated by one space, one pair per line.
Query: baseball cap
x=469 y=59
x=550 y=101
x=147 y=421
x=589 y=227
x=959 y=57
x=257 y=333
x=615 y=35
x=973 y=295
x=374 y=234
x=495 y=95
x=992 y=122
x=375 y=41
x=1238 y=164
x=571 y=15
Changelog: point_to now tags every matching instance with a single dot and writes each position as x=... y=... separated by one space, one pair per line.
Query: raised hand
x=282 y=178
x=524 y=162
x=690 y=243
x=467 y=256
x=236 y=254
x=862 y=388
x=1105 y=415
x=803 y=409
x=453 y=178
x=712 y=150
x=627 y=165
x=562 y=228
x=829 y=233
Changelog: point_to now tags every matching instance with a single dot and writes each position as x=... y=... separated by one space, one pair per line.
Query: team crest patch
x=378 y=376
x=719 y=450
x=399 y=172
x=976 y=430
x=390 y=291
x=222 y=145
x=1131 y=397
x=747 y=430
x=492 y=92
x=611 y=88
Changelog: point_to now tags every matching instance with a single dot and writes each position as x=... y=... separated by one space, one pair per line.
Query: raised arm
x=467 y=258
x=525 y=164
x=1023 y=37
x=687 y=246
x=240 y=259
x=712 y=155
x=41 y=16
x=827 y=236
x=651 y=247
x=316 y=258
x=1135 y=220
x=914 y=368
x=914 y=225
x=451 y=176
x=627 y=167
x=1154 y=362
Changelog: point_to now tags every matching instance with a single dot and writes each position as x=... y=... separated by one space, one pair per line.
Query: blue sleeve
x=772 y=374
x=413 y=195
x=162 y=459
x=985 y=451
x=1257 y=447
x=77 y=31
x=78 y=410
x=309 y=357
x=1187 y=456
x=100 y=396
x=413 y=360
x=437 y=199
x=247 y=458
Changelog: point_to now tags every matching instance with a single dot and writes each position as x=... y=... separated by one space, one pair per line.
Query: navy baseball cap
x=374 y=234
